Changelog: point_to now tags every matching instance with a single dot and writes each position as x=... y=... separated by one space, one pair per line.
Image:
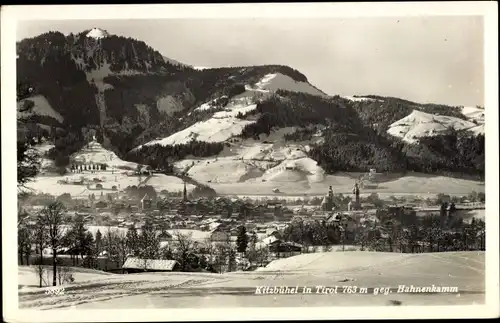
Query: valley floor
x=415 y=184
x=370 y=270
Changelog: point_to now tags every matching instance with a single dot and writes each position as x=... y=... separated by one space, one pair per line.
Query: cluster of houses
x=218 y=219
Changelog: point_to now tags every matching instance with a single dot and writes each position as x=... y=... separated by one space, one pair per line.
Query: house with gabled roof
x=139 y=265
x=146 y=202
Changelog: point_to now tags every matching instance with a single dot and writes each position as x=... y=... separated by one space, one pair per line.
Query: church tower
x=355 y=191
x=184 y=193
x=327 y=204
x=330 y=199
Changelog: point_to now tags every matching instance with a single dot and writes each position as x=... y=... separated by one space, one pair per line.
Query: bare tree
x=208 y=249
x=53 y=217
x=251 y=253
x=184 y=246
x=64 y=275
x=262 y=255
x=221 y=254
x=361 y=237
x=40 y=239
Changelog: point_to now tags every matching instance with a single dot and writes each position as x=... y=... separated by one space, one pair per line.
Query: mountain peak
x=97 y=33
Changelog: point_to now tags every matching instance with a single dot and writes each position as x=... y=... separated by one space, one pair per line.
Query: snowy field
x=245 y=178
x=120 y=179
x=50 y=185
x=41 y=107
x=422 y=185
x=380 y=273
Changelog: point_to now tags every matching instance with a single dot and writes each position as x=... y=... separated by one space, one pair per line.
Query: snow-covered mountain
x=154 y=110
x=420 y=124
x=474 y=114
x=278 y=81
x=97 y=33
x=361 y=99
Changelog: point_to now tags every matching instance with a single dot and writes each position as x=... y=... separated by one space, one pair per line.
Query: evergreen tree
x=98 y=242
x=78 y=239
x=242 y=239
x=133 y=241
x=148 y=241
x=231 y=265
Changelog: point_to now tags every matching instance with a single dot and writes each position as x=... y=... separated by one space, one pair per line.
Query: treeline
x=354 y=152
x=63 y=85
x=131 y=90
x=203 y=191
x=301 y=134
x=162 y=156
x=131 y=54
x=64 y=145
x=433 y=233
x=452 y=152
x=44 y=64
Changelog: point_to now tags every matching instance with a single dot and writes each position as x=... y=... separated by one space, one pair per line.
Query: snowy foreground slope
x=420 y=124
x=380 y=273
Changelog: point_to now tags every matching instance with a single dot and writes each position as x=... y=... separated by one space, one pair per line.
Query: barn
x=138 y=265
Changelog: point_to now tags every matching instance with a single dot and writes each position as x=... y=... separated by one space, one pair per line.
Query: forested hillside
x=126 y=94
x=380 y=112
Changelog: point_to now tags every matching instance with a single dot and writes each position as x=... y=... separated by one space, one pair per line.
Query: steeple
x=184 y=193
x=355 y=191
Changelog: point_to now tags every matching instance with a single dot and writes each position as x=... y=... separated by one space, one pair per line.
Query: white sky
x=435 y=59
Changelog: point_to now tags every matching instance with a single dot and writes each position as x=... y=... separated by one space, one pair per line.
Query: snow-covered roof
x=149 y=264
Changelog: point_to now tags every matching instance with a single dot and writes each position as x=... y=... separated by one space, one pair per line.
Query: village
x=269 y=225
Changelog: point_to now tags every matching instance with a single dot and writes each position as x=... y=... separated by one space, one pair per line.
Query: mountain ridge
x=127 y=95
